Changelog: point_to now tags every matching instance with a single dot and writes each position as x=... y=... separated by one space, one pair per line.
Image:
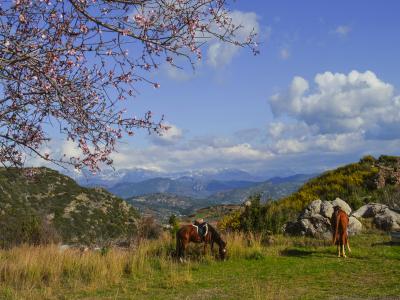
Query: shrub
x=174 y=223
x=149 y=228
x=18 y=227
x=230 y=222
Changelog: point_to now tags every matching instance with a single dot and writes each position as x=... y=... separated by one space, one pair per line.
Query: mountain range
x=162 y=194
x=108 y=177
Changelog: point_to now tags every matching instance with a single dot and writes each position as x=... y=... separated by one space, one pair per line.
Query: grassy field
x=297 y=268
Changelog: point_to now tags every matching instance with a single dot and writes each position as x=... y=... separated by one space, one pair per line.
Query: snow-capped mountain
x=108 y=177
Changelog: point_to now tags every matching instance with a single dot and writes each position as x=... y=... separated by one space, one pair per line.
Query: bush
x=18 y=228
x=149 y=228
x=230 y=222
x=174 y=223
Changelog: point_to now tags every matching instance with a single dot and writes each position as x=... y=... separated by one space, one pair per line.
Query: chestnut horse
x=340 y=222
x=188 y=233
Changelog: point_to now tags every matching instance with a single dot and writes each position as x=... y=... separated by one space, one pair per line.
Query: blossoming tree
x=70 y=64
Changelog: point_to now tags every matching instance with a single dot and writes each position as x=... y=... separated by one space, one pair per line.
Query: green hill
x=369 y=180
x=39 y=204
x=268 y=190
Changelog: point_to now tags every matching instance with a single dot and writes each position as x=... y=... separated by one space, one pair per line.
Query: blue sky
x=323 y=92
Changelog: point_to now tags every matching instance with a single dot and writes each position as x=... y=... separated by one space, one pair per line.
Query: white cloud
x=340 y=103
x=176 y=73
x=342 y=30
x=338 y=113
x=191 y=155
x=169 y=136
x=70 y=149
x=221 y=53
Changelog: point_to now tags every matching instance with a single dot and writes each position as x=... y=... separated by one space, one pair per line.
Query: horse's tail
x=347 y=235
x=336 y=233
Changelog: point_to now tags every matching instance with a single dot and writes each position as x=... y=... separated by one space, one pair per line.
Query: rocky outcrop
x=315 y=220
x=383 y=217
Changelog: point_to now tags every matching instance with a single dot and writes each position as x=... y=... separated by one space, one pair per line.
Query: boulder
x=343 y=205
x=387 y=220
x=312 y=209
x=315 y=220
x=361 y=212
x=326 y=209
x=383 y=217
x=369 y=210
x=355 y=226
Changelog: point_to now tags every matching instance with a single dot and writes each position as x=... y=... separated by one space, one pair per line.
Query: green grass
x=292 y=268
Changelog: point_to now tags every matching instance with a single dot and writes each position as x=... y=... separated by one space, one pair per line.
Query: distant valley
x=161 y=197
x=161 y=194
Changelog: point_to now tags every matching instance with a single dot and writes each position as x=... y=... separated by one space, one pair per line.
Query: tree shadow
x=296 y=252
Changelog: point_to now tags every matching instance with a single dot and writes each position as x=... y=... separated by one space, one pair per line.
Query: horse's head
x=222 y=250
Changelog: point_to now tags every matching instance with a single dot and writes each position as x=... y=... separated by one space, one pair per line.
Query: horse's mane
x=215 y=235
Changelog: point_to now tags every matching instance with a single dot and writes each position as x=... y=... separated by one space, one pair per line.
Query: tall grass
x=40 y=272
x=43 y=272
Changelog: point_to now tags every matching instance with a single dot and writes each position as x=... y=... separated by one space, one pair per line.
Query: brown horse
x=188 y=233
x=340 y=222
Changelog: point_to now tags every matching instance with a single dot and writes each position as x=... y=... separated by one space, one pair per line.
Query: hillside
x=268 y=190
x=47 y=204
x=213 y=214
x=162 y=205
x=369 y=180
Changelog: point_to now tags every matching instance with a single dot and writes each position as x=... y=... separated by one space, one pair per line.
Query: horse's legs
x=344 y=253
x=185 y=244
x=338 y=249
x=348 y=245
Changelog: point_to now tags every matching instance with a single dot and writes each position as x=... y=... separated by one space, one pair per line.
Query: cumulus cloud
x=220 y=53
x=336 y=113
x=340 y=103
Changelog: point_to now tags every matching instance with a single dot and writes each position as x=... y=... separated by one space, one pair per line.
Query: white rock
x=387 y=220
x=312 y=209
x=355 y=226
x=361 y=212
x=326 y=209
x=343 y=205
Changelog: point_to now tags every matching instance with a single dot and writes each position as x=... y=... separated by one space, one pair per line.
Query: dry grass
x=46 y=272
x=41 y=272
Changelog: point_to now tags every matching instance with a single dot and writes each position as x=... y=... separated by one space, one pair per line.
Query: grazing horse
x=340 y=222
x=189 y=233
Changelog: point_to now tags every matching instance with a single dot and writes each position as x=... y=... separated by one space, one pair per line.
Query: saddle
x=202 y=229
